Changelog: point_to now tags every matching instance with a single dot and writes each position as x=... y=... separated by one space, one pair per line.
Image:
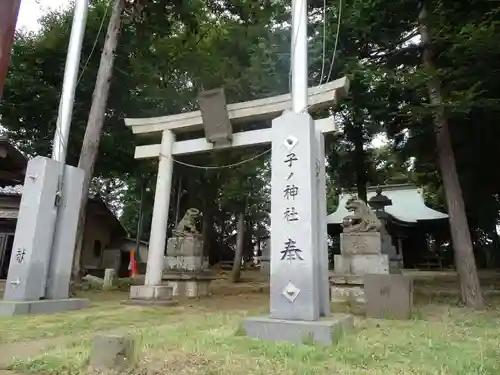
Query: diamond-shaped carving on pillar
x=290 y=292
x=290 y=142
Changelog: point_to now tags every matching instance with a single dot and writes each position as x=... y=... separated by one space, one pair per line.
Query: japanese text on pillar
x=291 y=251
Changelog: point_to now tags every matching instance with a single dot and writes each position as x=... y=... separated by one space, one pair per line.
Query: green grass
x=105 y=317
x=105 y=313
x=206 y=339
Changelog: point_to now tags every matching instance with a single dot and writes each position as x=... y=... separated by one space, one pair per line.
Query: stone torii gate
x=320 y=97
x=299 y=266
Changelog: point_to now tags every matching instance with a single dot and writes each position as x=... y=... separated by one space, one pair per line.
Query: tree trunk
x=179 y=196
x=205 y=233
x=207 y=223
x=359 y=162
x=462 y=244
x=248 y=246
x=496 y=247
x=238 y=254
x=90 y=146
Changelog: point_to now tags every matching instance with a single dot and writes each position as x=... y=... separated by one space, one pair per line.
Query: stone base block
x=47 y=306
x=388 y=296
x=346 y=279
x=185 y=263
x=111 y=352
x=189 y=284
x=347 y=293
x=191 y=245
x=190 y=288
x=360 y=243
x=360 y=265
x=151 y=292
x=324 y=331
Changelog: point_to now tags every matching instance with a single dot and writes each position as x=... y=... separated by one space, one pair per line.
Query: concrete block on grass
x=388 y=296
x=112 y=352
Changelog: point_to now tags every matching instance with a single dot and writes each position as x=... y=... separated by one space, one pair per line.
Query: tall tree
x=92 y=137
x=462 y=244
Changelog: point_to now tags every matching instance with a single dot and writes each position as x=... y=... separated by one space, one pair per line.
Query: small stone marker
x=388 y=296
x=93 y=281
x=109 y=278
x=111 y=352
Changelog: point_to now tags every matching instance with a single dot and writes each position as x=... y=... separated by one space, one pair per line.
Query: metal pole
x=69 y=83
x=299 y=55
x=9 y=10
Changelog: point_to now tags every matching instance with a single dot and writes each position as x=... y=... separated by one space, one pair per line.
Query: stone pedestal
x=186 y=269
x=185 y=254
x=299 y=301
x=347 y=289
x=395 y=260
x=154 y=295
x=40 y=266
x=361 y=253
x=325 y=331
x=360 y=264
x=189 y=284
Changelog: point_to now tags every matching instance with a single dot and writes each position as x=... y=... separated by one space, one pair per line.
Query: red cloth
x=133 y=265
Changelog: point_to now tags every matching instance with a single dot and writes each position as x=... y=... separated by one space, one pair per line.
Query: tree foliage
x=177 y=48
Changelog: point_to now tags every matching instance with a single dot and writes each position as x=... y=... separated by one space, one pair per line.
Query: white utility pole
x=299 y=56
x=69 y=83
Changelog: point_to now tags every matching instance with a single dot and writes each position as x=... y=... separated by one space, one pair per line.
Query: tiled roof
x=408 y=205
x=11 y=190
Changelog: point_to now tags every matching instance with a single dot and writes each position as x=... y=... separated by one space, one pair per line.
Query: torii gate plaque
x=218 y=129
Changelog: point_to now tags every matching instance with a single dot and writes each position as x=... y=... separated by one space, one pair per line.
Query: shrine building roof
x=407 y=204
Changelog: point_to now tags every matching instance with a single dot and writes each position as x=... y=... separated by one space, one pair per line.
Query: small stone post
x=112 y=352
x=109 y=278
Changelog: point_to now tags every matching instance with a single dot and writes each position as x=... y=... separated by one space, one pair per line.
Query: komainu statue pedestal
x=187 y=270
x=361 y=253
x=363 y=250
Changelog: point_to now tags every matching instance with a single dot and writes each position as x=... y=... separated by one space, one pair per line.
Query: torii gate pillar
x=300 y=303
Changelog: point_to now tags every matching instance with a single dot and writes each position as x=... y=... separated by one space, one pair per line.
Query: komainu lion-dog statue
x=363 y=219
x=187 y=225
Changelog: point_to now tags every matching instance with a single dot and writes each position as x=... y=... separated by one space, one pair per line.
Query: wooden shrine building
x=410 y=222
